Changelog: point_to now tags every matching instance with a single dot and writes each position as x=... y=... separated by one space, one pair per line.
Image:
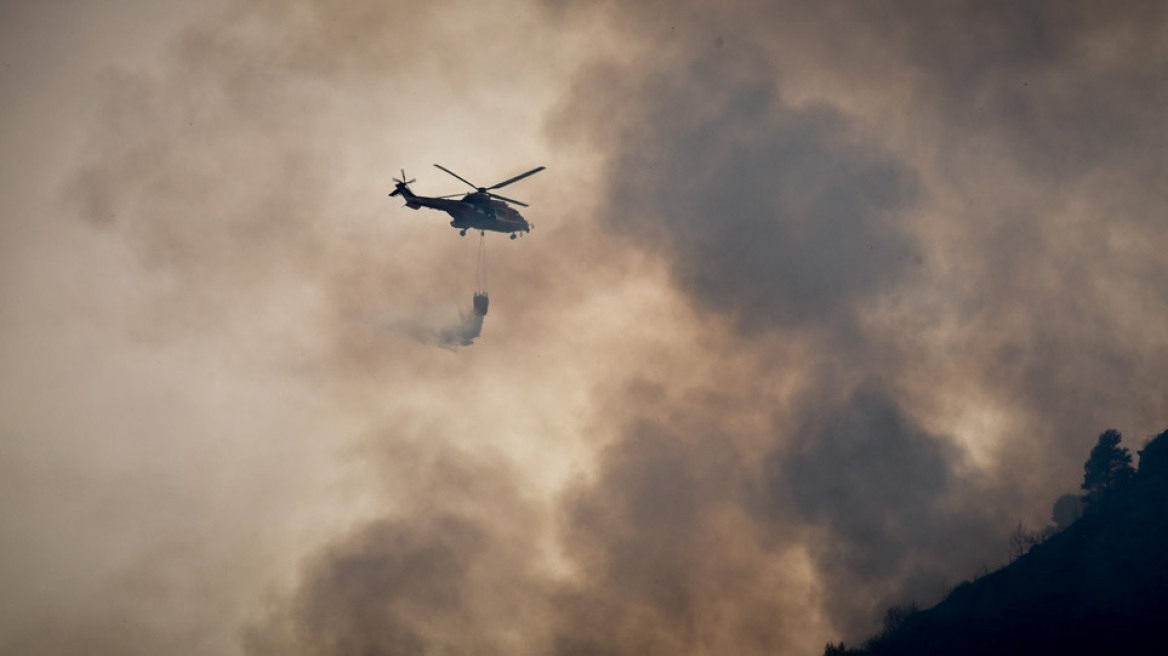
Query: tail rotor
x=403 y=179
x=402 y=186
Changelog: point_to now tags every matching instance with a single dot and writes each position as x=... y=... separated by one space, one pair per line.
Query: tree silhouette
x=1108 y=467
x=1154 y=457
x=1098 y=587
x=835 y=650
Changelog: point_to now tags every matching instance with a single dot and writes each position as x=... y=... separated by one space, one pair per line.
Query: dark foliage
x=1154 y=457
x=1108 y=467
x=1098 y=587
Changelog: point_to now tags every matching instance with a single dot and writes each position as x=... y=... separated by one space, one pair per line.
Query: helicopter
x=478 y=210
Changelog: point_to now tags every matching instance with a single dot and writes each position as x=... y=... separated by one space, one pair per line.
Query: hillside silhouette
x=1098 y=587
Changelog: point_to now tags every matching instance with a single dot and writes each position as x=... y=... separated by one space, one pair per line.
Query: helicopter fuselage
x=474 y=211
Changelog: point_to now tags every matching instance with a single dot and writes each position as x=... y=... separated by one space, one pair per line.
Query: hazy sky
x=820 y=303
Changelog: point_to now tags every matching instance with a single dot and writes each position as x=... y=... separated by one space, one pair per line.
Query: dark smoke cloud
x=786 y=219
x=455 y=572
x=896 y=514
x=377 y=591
x=669 y=562
x=1069 y=86
x=918 y=255
x=1056 y=288
x=774 y=214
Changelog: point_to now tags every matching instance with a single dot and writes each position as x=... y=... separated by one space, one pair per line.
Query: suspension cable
x=481 y=268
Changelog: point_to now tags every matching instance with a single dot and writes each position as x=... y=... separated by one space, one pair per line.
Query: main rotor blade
x=516 y=178
x=509 y=200
x=472 y=185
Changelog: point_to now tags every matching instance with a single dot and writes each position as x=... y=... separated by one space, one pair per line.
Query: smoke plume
x=825 y=300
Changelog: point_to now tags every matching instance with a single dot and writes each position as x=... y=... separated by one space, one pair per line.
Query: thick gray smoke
x=773 y=214
x=912 y=259
x=670 y=559
x=913 y=238
x=457 y=573
x=895 y=517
